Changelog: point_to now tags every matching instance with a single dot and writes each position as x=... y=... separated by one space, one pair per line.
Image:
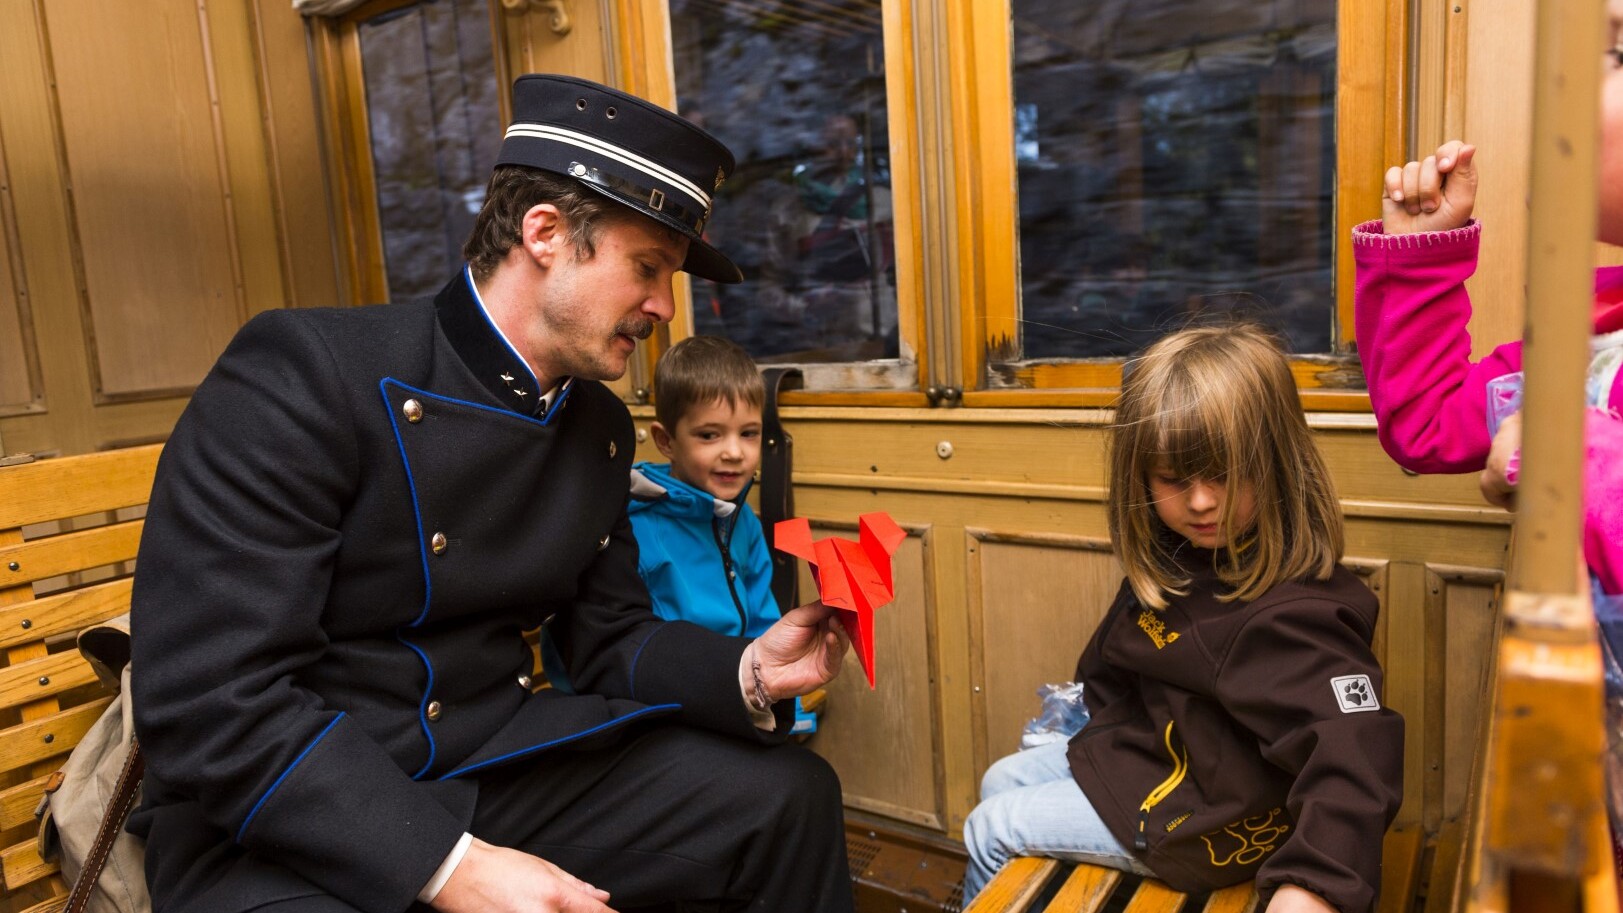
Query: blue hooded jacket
x=704 y=559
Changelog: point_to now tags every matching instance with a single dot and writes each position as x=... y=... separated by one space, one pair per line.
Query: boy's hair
x=512 y=192
x=704 y=369
x=1219 y=403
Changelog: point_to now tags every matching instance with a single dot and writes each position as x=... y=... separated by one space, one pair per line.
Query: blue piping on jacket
x=563 y=741
x=632 y=675
x=266 y=797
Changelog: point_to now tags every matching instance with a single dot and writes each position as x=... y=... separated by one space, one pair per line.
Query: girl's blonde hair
x=1219 y=403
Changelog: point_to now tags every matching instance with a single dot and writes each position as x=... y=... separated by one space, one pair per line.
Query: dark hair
x=701 y=370
x=512 y=191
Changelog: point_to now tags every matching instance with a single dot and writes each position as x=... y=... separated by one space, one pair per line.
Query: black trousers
x=674 y=815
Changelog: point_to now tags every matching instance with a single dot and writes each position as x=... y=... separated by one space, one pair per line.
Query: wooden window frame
x=950 y=91
x=1371 y=130
x=645 y=66
x=335 y=44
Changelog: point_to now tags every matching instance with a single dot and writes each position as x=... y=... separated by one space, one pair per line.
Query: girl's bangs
x=1190 y=433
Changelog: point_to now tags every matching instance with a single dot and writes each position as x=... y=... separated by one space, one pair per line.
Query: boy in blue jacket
x=701 y=549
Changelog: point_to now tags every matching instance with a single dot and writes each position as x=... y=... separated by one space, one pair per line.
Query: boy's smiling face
x=715 y=447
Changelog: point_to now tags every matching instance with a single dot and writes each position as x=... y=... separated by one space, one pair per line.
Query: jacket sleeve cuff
x=1371 y=236
x=446 y=870
x=328 y=816
x=700 y=669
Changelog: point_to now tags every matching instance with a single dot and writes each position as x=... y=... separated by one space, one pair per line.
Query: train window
x=1173 y=159
x=435 y=127
x=798 y=92
x=411 y=97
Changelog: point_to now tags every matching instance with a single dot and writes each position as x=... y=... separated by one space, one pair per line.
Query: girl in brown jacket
x=1236 y=726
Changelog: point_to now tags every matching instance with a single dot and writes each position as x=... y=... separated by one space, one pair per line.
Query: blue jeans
x=1031 y=806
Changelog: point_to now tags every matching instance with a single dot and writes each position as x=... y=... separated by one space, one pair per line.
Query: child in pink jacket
x=1430 y=399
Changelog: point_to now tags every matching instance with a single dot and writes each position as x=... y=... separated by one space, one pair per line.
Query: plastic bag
x=1504 y=400
x=1063 y=715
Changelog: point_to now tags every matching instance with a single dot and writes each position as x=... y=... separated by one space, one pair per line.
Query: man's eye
x=646 y=270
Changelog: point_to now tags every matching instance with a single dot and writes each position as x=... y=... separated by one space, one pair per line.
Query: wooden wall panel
x=308 y=259
x=881 y=741
x=1466 y=614
x=19 y=360
x=1035 y=601
x=136 y=93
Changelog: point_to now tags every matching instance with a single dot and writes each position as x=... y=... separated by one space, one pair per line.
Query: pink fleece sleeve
x=1410 y=313
x=1603 y=499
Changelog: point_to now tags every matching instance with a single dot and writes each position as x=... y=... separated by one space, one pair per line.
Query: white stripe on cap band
x=618 y=153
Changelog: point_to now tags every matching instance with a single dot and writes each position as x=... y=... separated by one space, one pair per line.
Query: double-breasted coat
x=354 y=521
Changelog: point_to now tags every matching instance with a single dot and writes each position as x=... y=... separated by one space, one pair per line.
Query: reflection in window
x=431 y=103
x=1175 y=158
x=797 y=92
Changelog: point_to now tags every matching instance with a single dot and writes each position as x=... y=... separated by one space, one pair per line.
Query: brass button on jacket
x=433 y=711
x=413 y=410
x=438 y=543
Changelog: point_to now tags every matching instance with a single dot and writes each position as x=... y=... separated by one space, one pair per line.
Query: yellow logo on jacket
x=1247 y=840
x=1152 y=625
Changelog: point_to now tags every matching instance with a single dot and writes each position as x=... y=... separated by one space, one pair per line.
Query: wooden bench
x=1024 y=882
x=69 y=529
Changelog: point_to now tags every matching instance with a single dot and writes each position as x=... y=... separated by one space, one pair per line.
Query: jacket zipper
x=732 y=575
x=1180 y=767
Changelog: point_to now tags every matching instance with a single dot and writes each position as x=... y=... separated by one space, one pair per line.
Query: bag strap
x=777 y=487
x=112 y=824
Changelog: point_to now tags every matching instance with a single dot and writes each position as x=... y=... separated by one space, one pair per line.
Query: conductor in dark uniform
x=362 y=510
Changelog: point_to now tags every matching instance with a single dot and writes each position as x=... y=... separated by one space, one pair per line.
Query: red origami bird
x=853 y=577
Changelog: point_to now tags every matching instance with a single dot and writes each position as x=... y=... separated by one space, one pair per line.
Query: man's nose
x=661 y=305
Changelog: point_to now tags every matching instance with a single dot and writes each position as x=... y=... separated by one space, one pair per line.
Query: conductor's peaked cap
x=635 y=153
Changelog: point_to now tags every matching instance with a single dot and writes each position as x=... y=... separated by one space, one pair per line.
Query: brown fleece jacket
x=1231 y=741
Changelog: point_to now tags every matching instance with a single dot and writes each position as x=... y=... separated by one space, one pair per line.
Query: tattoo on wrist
x=759 y=699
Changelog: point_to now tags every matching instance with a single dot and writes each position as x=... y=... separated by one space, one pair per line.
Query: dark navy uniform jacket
x=353 y=522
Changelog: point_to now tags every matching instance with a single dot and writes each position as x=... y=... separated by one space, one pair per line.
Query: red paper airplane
x=853 y=577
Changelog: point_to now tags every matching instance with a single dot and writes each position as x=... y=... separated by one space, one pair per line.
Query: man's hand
x=801 y=652
x=1498 y=479
x=1292 y=899
x=1436 y=194
x=493 y=879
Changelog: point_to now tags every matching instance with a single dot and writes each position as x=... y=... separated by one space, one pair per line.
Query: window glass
x=1175 y=158
x=431 y=101
x=797 y=92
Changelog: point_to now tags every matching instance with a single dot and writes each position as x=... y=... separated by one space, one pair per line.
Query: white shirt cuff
x=764 y=720
x=444 y=872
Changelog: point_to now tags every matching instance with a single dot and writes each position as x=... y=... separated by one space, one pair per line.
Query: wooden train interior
x=1046 y=186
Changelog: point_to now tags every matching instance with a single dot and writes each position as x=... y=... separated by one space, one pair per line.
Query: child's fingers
x=1411 y=188
x=1431 y=185
x=1448 y=154
x=1394 y=184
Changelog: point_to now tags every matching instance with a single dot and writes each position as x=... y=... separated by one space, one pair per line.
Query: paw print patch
x=1354 y=693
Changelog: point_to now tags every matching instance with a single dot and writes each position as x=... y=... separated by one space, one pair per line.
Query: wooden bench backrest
x=69 y=529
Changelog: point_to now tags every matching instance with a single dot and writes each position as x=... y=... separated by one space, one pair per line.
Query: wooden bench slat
x=26 y=744
x=54 y=905
x=20 y=684
x=1086 y=890
x=63 y=612
x=1241 y=898
x=1155 y=897
x=74 y=486
x=1400 y=866
x=41 y=559
x=1015 y=886
x=17 y=803
x=21 y=865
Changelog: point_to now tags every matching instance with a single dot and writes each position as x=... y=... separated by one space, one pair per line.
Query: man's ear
x=542 y=234
x=662 y=440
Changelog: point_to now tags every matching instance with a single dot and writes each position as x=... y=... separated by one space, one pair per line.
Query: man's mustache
x=636 y=329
